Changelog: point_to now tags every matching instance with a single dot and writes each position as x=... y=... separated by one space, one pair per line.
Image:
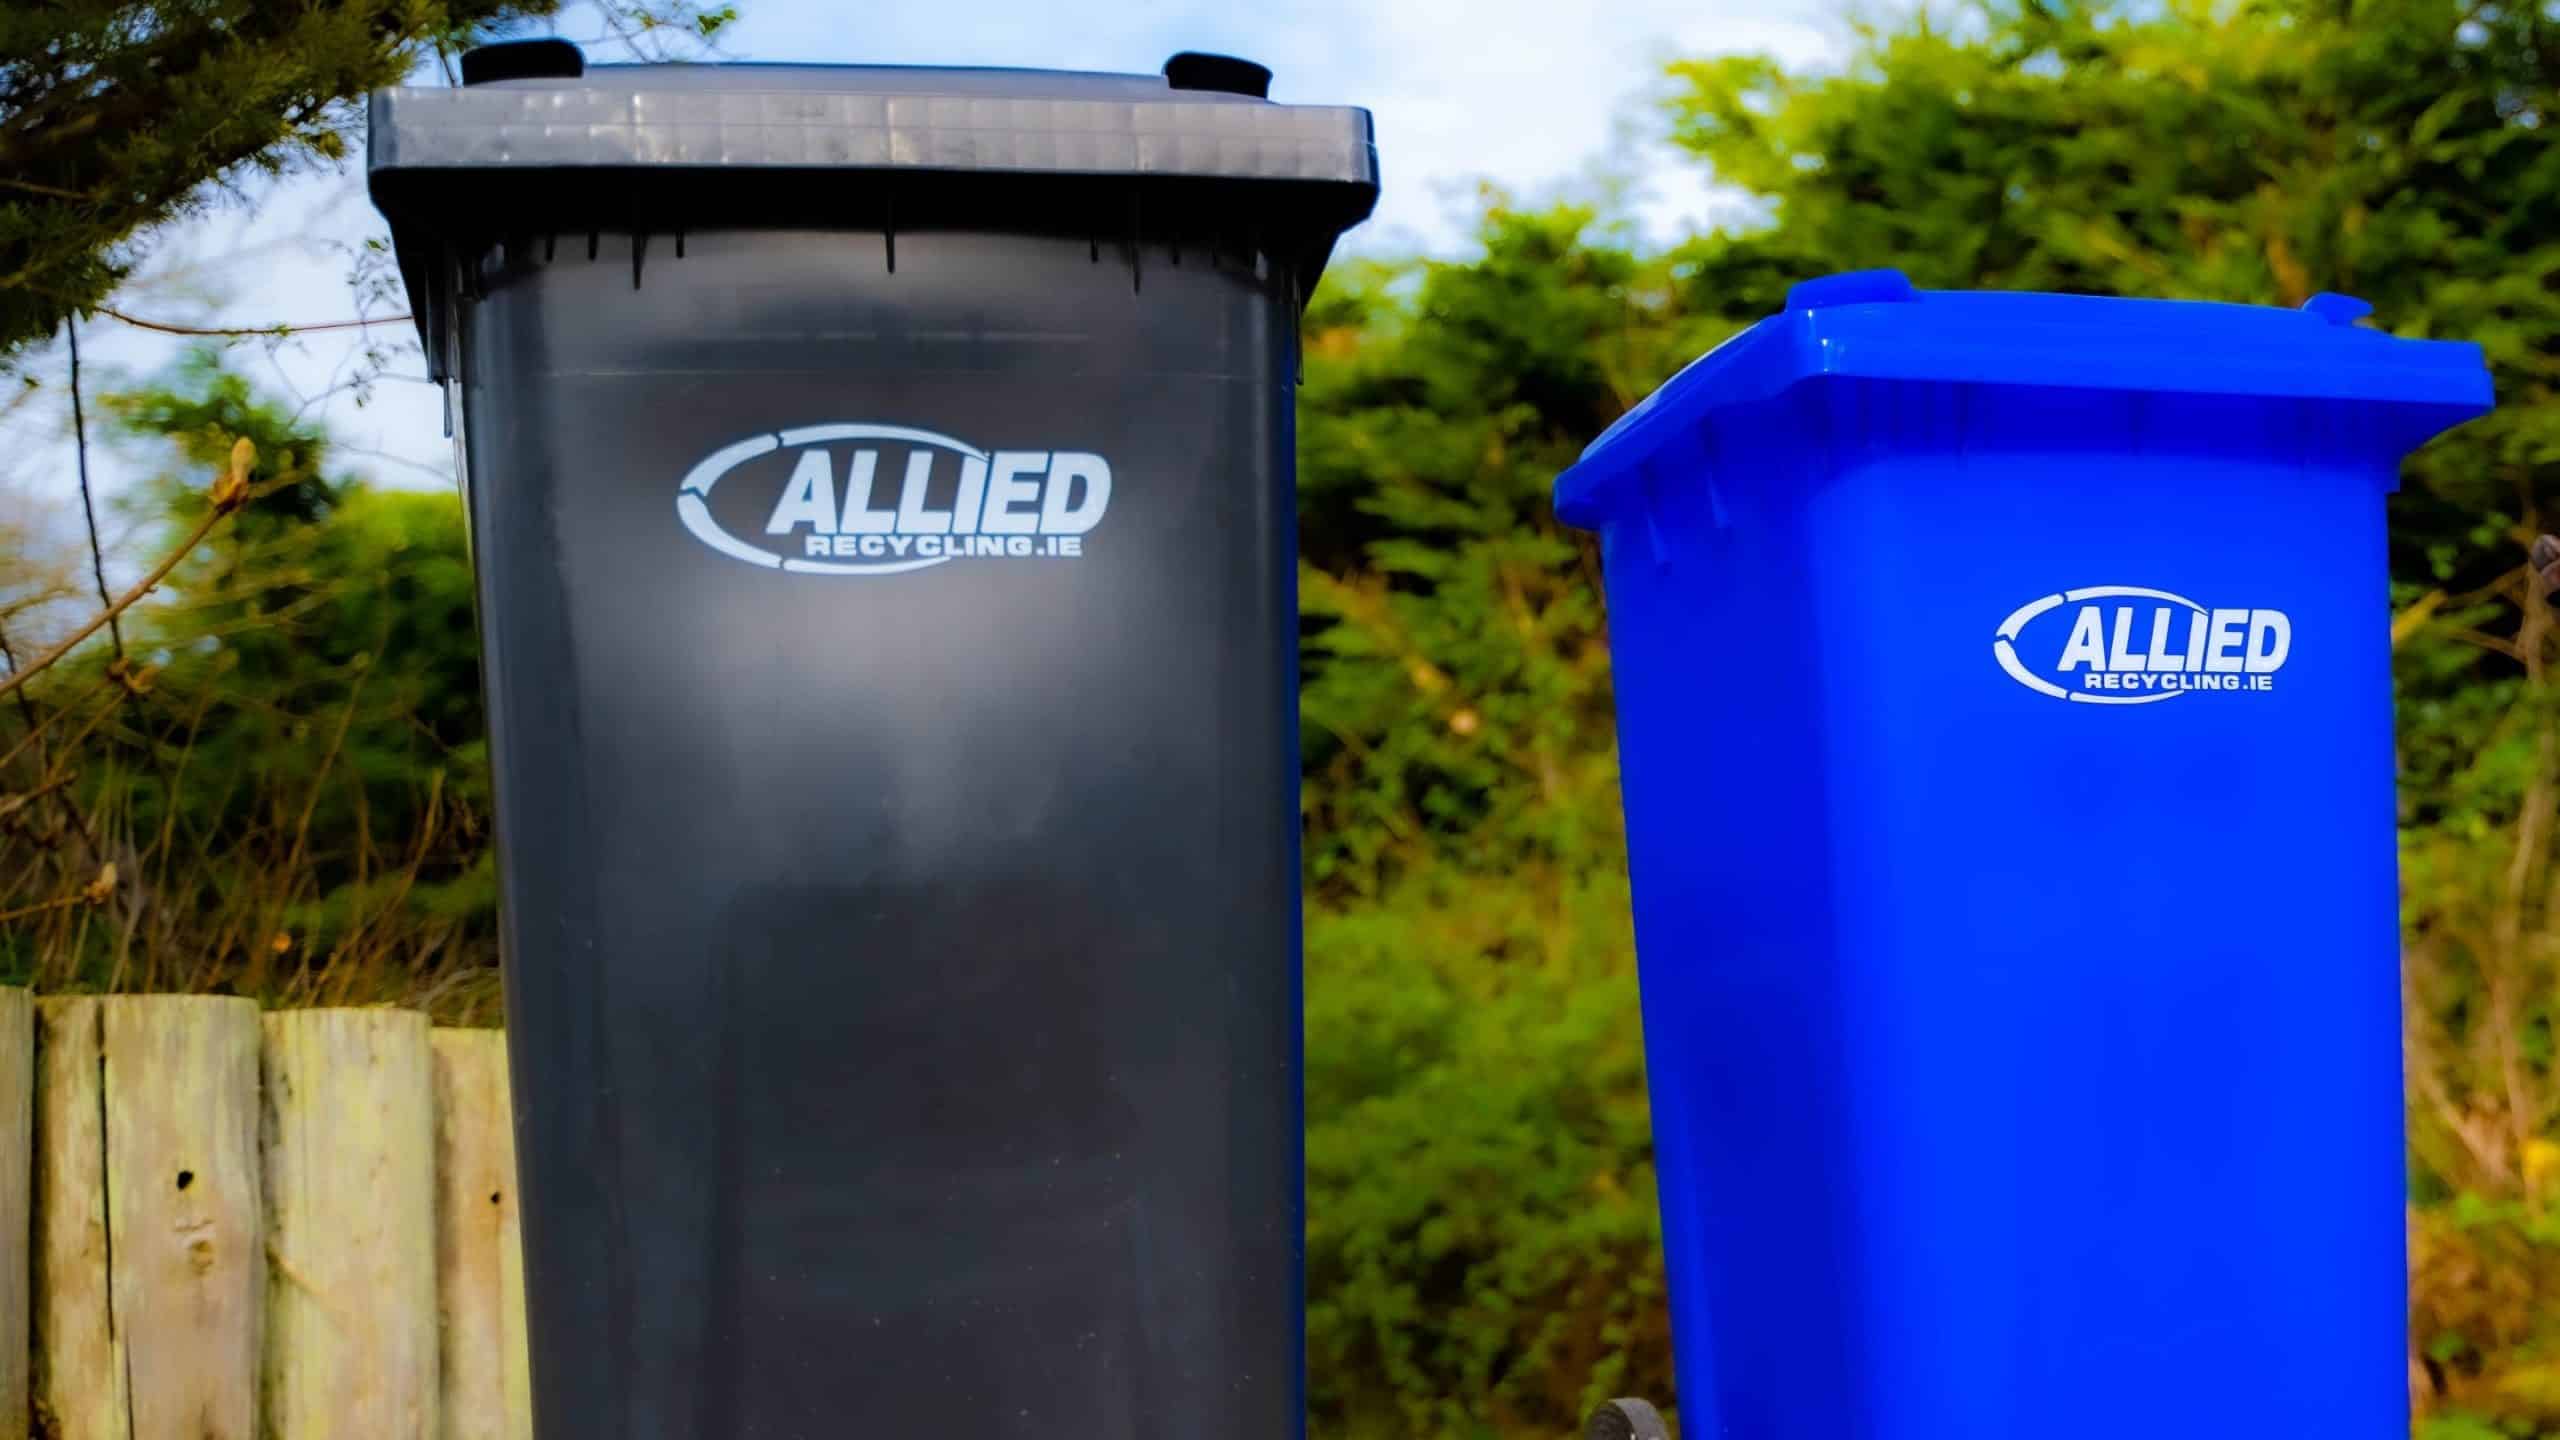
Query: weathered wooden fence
x=223 y=1225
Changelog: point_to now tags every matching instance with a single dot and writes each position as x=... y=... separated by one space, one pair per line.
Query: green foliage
x=1455 y=673
x=1481 y=1253
x=296 y=794
x=2462 y=1426
x=1481 y=1240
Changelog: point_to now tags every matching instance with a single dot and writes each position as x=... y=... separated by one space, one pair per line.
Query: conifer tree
x=118 y=115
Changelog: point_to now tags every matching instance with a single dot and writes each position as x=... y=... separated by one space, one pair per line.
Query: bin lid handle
x=548 y=58
x=1852 y=287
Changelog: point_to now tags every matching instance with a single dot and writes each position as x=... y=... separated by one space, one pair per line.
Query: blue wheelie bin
x=2004 y=699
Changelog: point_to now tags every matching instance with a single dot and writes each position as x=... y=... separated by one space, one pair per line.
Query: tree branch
x=123 y=602
x=2414 y=618
x=279 y=328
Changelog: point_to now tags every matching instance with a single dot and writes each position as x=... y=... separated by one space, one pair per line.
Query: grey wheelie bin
x=880 y=490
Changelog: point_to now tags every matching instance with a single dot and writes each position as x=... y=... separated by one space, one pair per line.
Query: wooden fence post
x=479 y=1267
x=147 y=1156
x=185 y=1282
x=79 y=1368
x=17 y=1161
x=350 y=1154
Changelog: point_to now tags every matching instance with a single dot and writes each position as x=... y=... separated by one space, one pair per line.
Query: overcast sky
x=1527 y=94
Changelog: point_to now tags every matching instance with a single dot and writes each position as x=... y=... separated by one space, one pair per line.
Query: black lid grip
x=546 y=59
x=1226 y=74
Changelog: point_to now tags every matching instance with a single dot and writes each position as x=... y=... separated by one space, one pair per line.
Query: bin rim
x=863 y=118
x=1875 y=326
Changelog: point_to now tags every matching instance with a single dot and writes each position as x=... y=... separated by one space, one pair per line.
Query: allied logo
x=2130 y=645
x=886 y=499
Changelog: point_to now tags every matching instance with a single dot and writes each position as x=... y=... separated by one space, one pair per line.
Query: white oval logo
x=2133 y=645
x=885 y=499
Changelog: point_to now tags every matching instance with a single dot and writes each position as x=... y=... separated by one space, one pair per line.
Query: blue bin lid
x=1873 y=325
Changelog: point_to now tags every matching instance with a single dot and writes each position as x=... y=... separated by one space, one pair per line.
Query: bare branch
x=2414 y=618
x=223 y=507
x=88 y=503
x=279 y=328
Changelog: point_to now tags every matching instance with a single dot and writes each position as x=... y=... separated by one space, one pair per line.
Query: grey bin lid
x=535 y=141
x=861 y=117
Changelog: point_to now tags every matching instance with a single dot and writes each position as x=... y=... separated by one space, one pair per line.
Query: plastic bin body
x=900 y=911
x=2020 y=1065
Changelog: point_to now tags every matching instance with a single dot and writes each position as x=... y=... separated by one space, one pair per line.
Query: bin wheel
x=1625 y=1419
